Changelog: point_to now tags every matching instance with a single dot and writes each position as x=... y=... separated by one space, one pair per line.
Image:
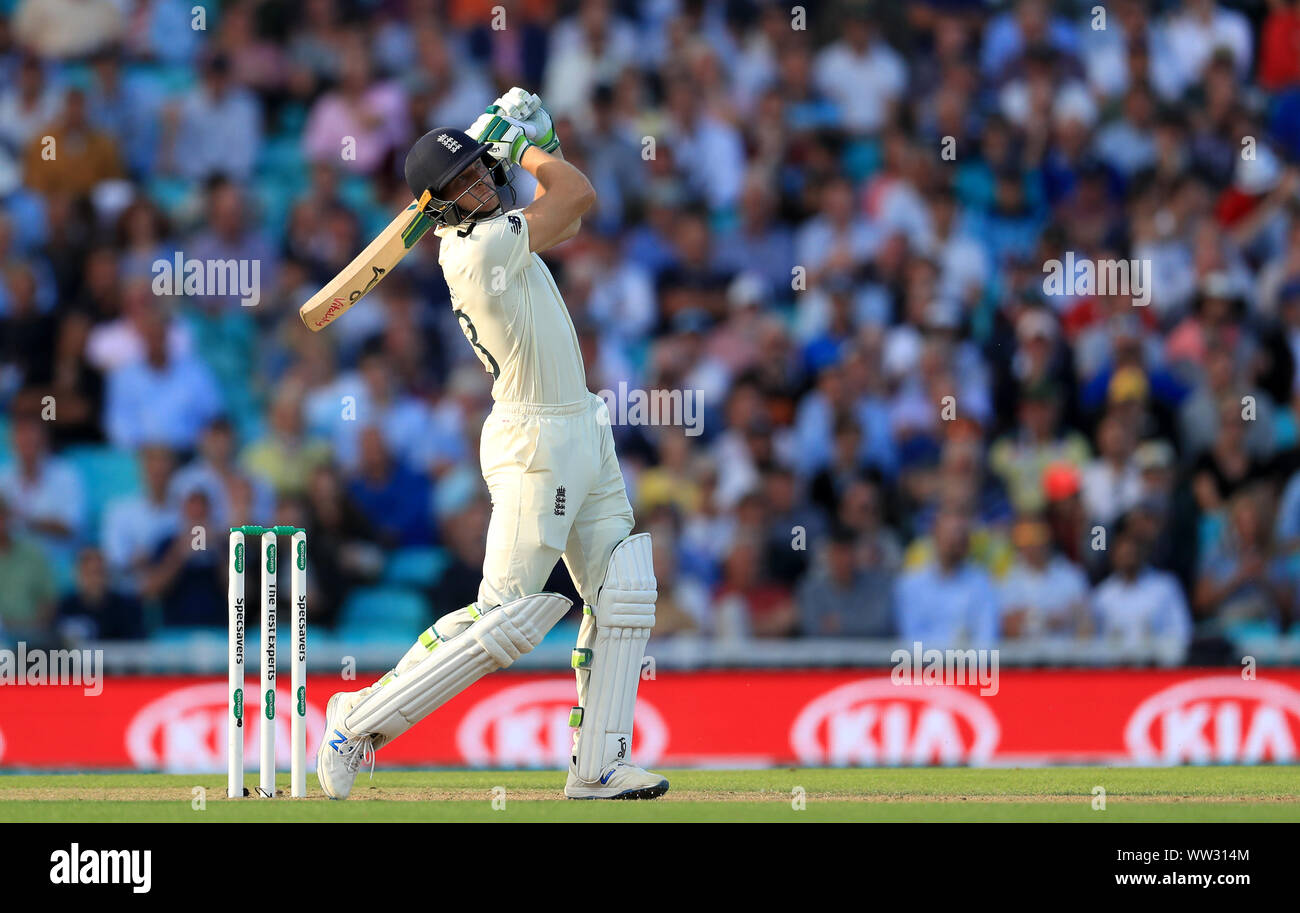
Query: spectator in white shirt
x=120 y=341
x=696 y=135
x=963 y=263
x=1128 y=143
x=27 y=106
x=1043 y=594
x=1104 y=52
x=134 y=525
x=216 y=128
x=949 y=601
x=1191 y=36
x=1137 y=603
x=1112 y=483
x=161 y=398
x=838 y=239
x=69 y=28
x=861 y=73
x=755 y=66
x=585 y=50
x=44 y=493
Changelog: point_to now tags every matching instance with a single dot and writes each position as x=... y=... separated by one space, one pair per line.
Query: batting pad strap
x=406 y=696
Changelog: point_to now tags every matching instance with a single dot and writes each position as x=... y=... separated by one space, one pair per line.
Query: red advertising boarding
x=719 y=718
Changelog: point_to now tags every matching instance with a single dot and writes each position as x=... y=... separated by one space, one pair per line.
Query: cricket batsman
x=547 y=455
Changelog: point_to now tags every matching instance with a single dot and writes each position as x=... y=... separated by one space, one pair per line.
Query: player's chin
x=487 y=207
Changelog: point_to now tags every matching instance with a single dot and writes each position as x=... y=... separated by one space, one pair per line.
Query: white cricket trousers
x=557 y=492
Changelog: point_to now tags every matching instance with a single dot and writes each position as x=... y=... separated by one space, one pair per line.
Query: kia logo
x=528 y=726
x=184 y=731
x=1217 y=719
x=875 y=721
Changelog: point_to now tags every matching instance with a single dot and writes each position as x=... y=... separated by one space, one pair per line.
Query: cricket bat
x=368 y=267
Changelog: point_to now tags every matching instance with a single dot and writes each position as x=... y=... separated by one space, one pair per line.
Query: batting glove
x=517 y=103
x=525 y=106
x=506 y=137
x=544 y=128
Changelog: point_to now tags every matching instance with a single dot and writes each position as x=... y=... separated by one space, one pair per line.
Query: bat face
x=368 y=267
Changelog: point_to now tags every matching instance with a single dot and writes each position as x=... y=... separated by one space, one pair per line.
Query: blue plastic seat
x=63 y=567
x=356 y=192
x=170 y=193
x=416 y=567
x=383 y=612
x=282 y=156
x=1252 y=630
x=275 y=198
x=374 y=634
x=106 y=473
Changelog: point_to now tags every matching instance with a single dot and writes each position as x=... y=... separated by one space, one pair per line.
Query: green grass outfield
x=1184 y=794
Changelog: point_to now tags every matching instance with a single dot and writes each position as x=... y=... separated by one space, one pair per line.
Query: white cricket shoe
x=619 y=781
x=341 y=752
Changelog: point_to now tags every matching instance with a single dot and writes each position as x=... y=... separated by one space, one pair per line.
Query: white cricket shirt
x=511 y=312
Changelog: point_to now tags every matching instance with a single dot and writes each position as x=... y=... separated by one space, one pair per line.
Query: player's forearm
x=540 y=190
x=555 y=175
x=574 y=227
x=563 y=195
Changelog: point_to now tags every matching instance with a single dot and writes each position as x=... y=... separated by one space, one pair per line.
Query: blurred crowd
x=830 y=222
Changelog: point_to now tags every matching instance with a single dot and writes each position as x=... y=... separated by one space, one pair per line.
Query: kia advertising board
x=732 y=718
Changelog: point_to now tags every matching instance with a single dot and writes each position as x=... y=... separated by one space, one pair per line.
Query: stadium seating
x=106 y=473
x=384 y=613
x=416 y=567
